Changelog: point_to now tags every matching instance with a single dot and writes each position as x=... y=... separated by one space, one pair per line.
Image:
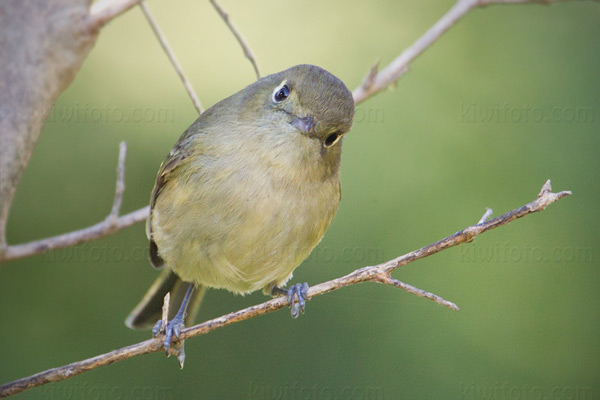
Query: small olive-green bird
x=246 y=193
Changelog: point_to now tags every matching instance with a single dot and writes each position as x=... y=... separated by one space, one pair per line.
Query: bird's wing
x=176 y=158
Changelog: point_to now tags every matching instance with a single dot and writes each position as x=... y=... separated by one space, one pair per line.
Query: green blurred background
x=508 y=98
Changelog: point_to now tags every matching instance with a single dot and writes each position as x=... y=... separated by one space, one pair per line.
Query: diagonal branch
x=378 y=273
x=238 y=36
x=167 y=48
x=375 y=82
x=111 y=223
x=388 y=280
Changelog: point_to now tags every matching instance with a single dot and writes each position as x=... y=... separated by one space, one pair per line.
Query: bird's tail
x=149 y=310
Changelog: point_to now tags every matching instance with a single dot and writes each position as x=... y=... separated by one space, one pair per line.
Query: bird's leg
x=174 y=326
x=300 y=290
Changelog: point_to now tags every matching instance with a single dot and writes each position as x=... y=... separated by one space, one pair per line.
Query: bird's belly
x=245 y=240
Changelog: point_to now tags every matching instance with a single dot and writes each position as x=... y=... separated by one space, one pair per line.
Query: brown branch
x=375 y=82
x=238 y=36
x=378 y=273
x=111 y=224
x=167 y=48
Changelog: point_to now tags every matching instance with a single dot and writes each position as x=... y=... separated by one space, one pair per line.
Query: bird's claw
x=173 y=327
x=300 y=290
x=158 y=328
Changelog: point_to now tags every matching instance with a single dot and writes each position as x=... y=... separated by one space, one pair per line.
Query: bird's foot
x=299 y=290
x=173 y=327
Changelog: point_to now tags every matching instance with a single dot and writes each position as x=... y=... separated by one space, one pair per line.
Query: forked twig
x=112 y=223
x=375 y=81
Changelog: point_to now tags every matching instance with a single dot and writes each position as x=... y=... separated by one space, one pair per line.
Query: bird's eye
x=281 y=92
x=331 y=139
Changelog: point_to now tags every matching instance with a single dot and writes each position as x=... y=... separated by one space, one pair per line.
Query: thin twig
x=97 y=231
x=486 y=215
x=104 y=11
x=167 y=48
x=112 y=223
x=238 y=36
x=388 y=280
x=375 y=82
x=378 y=273
x=165 y=311
x=120 y=186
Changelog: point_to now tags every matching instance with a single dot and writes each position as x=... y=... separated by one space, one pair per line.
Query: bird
x=246 y=194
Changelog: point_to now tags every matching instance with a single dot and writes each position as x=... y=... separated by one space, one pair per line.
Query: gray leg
x=174 y=326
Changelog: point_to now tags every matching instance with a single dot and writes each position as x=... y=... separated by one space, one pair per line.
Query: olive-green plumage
x=250 y=187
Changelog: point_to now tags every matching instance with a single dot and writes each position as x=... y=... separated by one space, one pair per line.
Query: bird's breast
x=241 y=224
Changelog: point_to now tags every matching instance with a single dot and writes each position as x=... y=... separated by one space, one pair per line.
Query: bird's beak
x=304 y=124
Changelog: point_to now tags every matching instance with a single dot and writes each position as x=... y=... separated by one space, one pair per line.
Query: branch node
x=370 y=77
x=547 y=197
x=546 y=189
x=470 y=233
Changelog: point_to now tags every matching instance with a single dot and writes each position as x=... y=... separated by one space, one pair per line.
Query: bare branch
x=237 y=35
x=388 y=280
x=375 y=81
x=97 y=231
x=111 y=224
x=120 y=186
x=399 y=66
x=378 y=273
x=104 y=11
x=167 y=48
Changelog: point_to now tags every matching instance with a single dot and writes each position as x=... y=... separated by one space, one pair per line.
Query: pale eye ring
x=281 y=92
x=332 y=139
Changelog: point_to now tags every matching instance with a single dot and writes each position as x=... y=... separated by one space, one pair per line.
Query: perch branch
x=167 y=48
x=111 y=223
x=378 y=273
x=375 y=81
x=238 y=36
